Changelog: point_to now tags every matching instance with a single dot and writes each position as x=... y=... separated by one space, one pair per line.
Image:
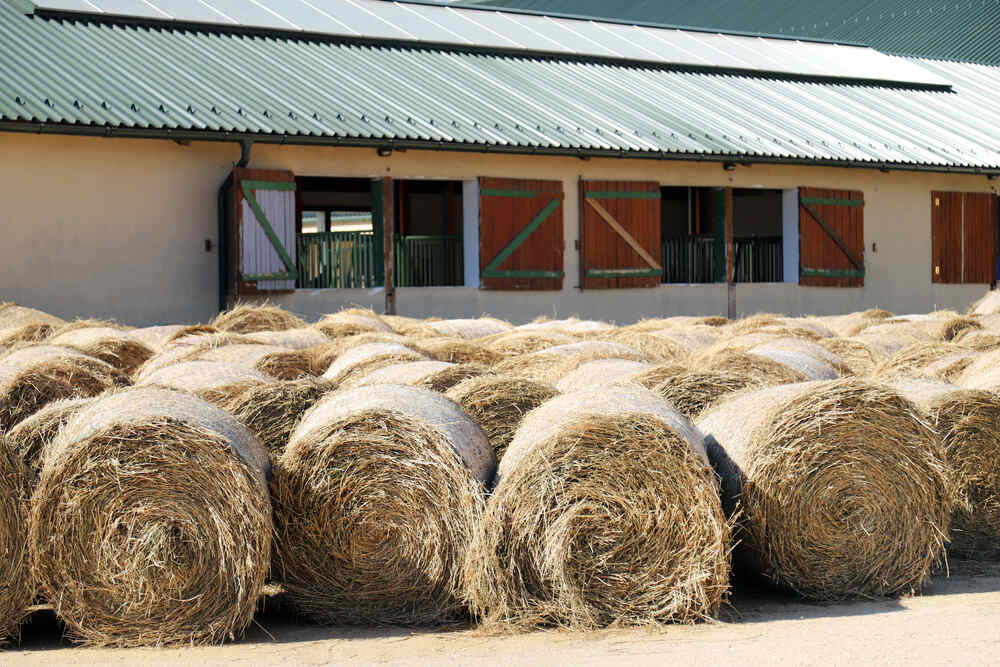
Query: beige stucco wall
x=117 y=228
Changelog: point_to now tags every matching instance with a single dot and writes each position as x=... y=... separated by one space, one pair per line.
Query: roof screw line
x=163 y=109
x=135 y=107
x=105 y=105
x=78 y=104
x=18 y=100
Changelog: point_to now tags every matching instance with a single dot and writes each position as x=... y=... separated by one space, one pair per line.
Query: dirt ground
x=955 y=622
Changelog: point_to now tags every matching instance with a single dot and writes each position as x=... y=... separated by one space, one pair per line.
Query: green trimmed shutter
x=831 y=238
x=620 y=234
x=520 y=234
x=266 y=229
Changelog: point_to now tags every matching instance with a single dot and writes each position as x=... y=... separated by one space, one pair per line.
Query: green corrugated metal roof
x=966 y=30
x=114 y=79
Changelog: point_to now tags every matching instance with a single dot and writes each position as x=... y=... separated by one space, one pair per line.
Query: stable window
x=428 y=234
x=693 y=234
x=963 y=237
x=757 y=236
x=338 y=243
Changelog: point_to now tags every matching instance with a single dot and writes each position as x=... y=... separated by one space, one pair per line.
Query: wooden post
x=388 y=240
x=730 y=257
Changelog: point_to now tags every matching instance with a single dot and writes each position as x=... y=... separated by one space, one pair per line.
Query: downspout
x=222 y=247
x=245 y=146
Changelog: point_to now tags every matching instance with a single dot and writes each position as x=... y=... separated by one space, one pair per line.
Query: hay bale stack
x=351 y=322
x=409 y=326
x=658 y=374
x=789 y=327
x=944 y=325
x=25 y=325
x=32 y=377
x=158 y=337
x=31 y=437
x=843 y=489
x=760 y=369
x=15 y=580
x=116 y=347
x=357 y=361
x=601 y=373
x=248 y=318
x=983 y=373
x=889 y=338
x=809 y=358
x=693 y=392
x=988 y=305
x=740 y=343
x=187 y=347
x=439 y=376
x=516 y=343
x=457 y=351
x=151 y=524
x=325 y=354
x=271 y=411
x=606 y=512
x=914 y=360
x=858 y=356
x=376 y=497
x=551 y=364
x=214 y=381
x=277 y=362
x=498 y=403
x=968 y=422
x=470 y=328
x=692 y=339
x=293 y=339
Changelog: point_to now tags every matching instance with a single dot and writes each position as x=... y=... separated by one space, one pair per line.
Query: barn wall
x=117 y=228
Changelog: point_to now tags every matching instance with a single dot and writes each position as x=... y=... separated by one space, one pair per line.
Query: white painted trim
x=470 y=232
x=790 y=233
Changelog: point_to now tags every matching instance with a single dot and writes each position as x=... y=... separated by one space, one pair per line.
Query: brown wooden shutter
x=263 y=230
x=620 y=234
x=831 y=238
x=520 y=234
x=946 y=237
x=979 y=237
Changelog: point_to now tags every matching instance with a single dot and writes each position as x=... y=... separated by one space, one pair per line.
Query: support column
x=389 y=244
x=730 y=257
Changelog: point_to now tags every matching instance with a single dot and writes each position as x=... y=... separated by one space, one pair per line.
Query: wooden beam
x=388 y=240
x=730 y=243
x=622 y=232
x=832 y=234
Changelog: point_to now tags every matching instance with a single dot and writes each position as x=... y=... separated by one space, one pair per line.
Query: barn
x=164 y=158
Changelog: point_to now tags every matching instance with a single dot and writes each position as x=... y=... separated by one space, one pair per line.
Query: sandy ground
x=955 y=622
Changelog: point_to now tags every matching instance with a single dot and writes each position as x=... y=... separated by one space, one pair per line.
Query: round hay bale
x=292 y=339
x=601 y=373
x=271 y=411
x=853 y=323
x=693 y=392
x=15 y=581
x=843 y=489
x=404 y=372
x=34 y=376
x=35 y=332
x=789 y=327
x=692 y=339
x=151 y=524
x=158 y=337
x=498 y=403
x=990 y=322
x=362 y=359
x=653 y=324
x=116 y=347
x=31 y=437
x=325 y=354
x=605 y=512
x=983 y=373
x=761 y=369
x=186 y=348
x=942 y=325
x=658 y=374
x=914 y=359
x=470 y=328
x=11 y=314
x=409 y=326
x=551 y=364
x=807 y=357
x=888 y=338
x=214 y=381
x=859 y=357
x=457 y=351
x=968 y=422
x=277 y=362
x=989 y=304
x=515 y=343
x=740 y=343
x=351 y=322
x=248 y=318
x=979 y=340
x=376 y=497
x=662 y=348
x=571 y=326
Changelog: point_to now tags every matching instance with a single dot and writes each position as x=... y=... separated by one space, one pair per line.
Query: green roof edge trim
x=25 y=6
x=106 y=131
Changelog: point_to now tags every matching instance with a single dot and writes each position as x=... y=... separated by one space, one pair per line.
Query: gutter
x=244 y=139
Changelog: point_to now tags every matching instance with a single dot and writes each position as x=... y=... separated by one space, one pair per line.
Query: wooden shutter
x=520 y=234
x=620 y=234
x=946 y=237
x=831 y=238
x=979 y=237
x=264 y=228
